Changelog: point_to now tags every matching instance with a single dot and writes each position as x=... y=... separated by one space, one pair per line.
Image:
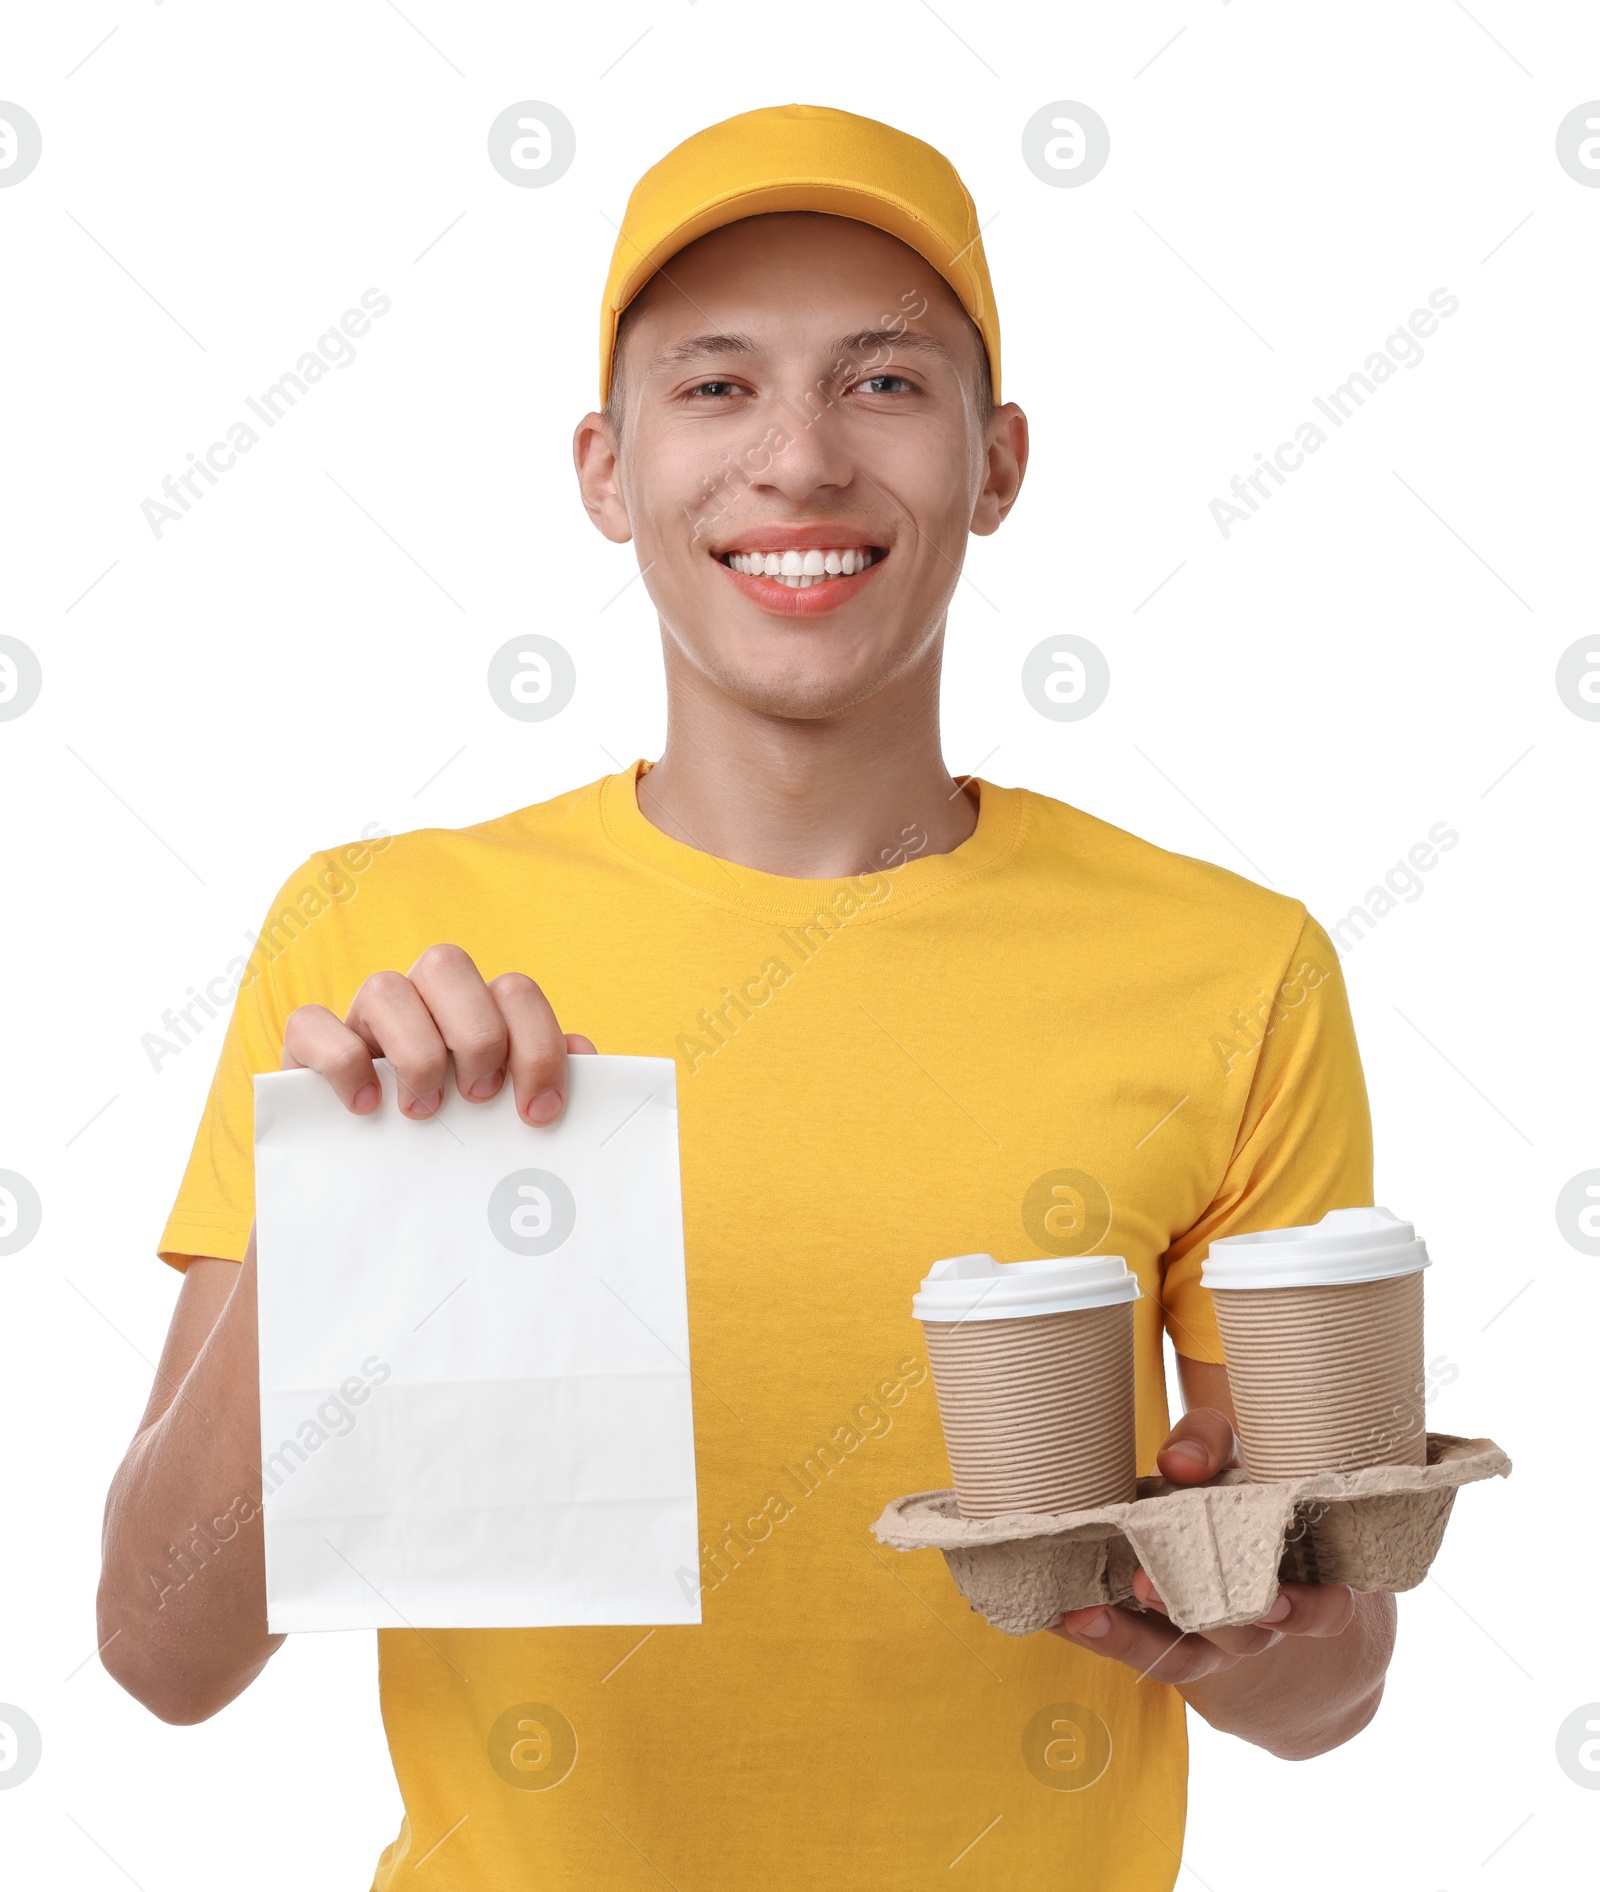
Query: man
x=912 y=1015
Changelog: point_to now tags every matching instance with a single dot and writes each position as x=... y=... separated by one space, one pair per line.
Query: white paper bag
x=475 y=1386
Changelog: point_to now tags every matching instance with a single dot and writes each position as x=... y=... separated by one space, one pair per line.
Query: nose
x=810 y=446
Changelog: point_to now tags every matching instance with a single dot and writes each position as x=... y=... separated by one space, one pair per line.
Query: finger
x=584 y=1047
x=1145 y=1591
x=390 y=1016
x=315 y=1040
x=1244 y=1639
x=1149 y=1645
x=1240 y=1639
x=538 y=1048
x=1199 y=1446
x=1312 y=1609
x=467 y=1018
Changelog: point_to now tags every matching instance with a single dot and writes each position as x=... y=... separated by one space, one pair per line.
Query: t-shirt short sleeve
x=1304 y=1144
x=215 y=1205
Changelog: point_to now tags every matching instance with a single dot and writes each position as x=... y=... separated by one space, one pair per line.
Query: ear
x=1006 y=460
x=594 y=455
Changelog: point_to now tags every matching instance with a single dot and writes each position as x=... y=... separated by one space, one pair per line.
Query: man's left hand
x=1198 y=1447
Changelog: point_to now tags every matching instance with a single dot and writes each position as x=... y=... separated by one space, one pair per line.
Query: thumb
x=1199 y=1446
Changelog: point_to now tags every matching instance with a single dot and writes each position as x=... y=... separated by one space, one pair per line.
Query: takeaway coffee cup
x=1033 y=1371
x=1322 y=1333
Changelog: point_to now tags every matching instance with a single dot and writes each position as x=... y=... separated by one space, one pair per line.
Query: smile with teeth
x=798 y=570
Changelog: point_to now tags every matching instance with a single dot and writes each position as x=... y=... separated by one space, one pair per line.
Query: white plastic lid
x=977 y=1287
x=1346 y=1245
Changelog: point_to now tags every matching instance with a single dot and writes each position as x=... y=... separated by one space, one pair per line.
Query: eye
x=883 y=384
x=713 y=390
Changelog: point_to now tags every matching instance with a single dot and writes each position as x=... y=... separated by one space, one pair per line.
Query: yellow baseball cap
x=802 y=157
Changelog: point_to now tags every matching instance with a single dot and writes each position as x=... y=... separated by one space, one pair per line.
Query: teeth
x=800 y=570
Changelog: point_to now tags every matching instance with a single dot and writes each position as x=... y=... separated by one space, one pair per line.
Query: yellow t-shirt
x=1055 y=1038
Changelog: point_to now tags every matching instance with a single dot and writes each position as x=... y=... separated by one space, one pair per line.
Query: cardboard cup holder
x=1215 y=1552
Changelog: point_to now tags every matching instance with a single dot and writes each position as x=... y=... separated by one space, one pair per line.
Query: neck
x=809 y=798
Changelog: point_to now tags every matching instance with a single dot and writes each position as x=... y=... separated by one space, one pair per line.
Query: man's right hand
x=439 y=1013
x=185 y=1632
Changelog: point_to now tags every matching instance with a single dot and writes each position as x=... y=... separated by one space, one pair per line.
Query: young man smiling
x=1007 y=1045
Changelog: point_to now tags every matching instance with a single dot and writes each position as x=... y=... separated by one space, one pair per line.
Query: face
x=799 y=456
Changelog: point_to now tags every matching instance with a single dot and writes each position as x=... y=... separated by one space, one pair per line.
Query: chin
x=807 y=697
x=791 y=668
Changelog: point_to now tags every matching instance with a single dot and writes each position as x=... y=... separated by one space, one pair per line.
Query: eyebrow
x=863 y=341
x=698 y=347
x=868 y=341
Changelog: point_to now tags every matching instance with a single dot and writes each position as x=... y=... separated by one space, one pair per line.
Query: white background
x=1371 y=654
